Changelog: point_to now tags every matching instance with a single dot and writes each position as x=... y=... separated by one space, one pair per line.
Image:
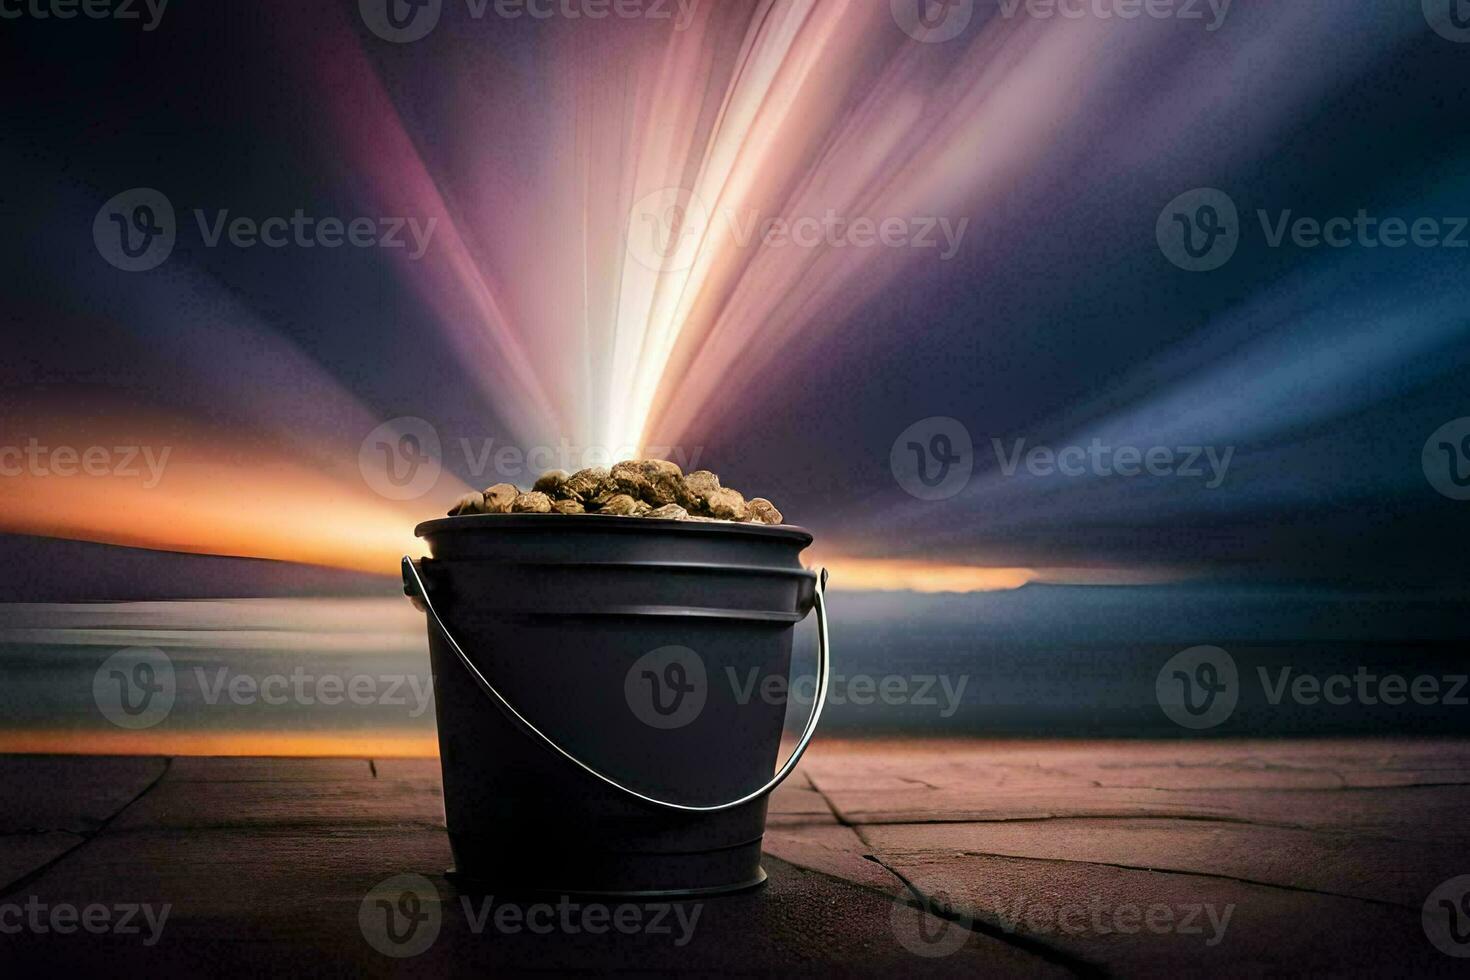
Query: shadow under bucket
x=602 y=688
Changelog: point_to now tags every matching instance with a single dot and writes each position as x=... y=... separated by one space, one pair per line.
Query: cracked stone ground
x=886 y=858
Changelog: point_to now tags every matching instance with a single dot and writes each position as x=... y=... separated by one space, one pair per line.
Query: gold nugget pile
x=633 y=488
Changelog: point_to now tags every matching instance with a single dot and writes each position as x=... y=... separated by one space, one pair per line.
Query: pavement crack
x=832 y=807
x=944 y=910
x=86 y=836
x=918 y=782
x=1354 y=833
x=1038 y=949
x=1196 y=874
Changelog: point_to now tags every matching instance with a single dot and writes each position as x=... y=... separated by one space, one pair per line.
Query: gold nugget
x=654 y=488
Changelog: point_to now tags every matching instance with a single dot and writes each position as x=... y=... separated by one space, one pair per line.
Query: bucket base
x=488 y=864
x=469 y=885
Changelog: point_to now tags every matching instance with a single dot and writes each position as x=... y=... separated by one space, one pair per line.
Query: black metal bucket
x=628 y=658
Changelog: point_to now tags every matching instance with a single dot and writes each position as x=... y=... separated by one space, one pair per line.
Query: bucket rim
x=608 y=522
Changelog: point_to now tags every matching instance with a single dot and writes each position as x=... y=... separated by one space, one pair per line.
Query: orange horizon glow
x=217 y=493
x=238 y=743
x=906 y=575
x=221 y=494
x=941 y=576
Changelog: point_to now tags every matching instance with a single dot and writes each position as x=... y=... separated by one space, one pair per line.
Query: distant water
x=280 y=675
x=352 y=676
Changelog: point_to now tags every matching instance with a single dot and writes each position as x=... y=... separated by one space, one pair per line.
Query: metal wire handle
x=415 y=587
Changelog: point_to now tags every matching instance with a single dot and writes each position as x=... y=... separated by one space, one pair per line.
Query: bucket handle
x=414 y=586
